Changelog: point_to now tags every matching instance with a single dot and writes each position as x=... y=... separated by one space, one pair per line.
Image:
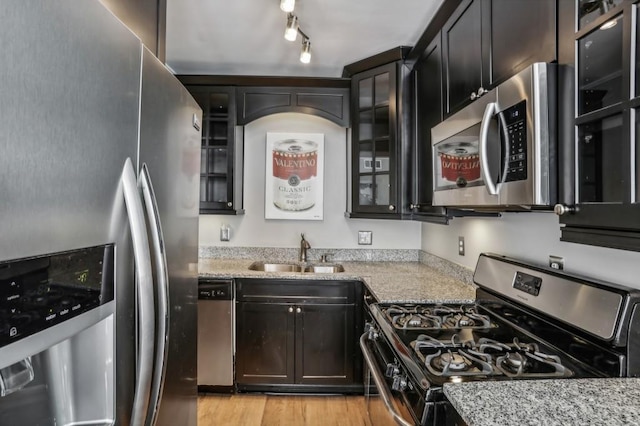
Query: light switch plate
x=364 y=238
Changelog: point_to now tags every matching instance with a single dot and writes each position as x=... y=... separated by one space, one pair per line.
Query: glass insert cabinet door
x=374 y=140
x=602 y=148
x=216 y=155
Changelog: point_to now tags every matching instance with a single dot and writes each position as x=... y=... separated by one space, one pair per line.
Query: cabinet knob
x=481 y=91
x=229 y=204
x=473 y=96
x=392 y=207
x=290 y=309
x=561 y=209
x=298 y=310
x=414 y=206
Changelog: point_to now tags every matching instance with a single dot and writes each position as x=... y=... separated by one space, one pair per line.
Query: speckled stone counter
x=388 y=281
x=566 y=402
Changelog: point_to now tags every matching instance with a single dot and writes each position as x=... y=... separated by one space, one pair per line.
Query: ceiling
x=246 y=37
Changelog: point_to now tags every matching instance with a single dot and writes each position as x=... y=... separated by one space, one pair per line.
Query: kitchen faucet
x=304 y=246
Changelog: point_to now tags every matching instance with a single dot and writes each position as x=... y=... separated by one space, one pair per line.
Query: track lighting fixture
x=291 y=33
x=305 y=55
x=292 y=30
x=287 y=5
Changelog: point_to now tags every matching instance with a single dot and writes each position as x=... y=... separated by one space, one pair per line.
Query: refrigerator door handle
x=162 y=334
x=144 y=287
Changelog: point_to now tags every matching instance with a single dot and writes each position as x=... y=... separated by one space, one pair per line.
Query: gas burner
x=454 y=362
x=415 y=321
x=459 y=362
x=466 y=320
x=412 y=318
x=526 y=360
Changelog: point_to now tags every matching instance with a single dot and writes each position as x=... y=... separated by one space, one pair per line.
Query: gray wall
x=335 y=231
x=529 y=236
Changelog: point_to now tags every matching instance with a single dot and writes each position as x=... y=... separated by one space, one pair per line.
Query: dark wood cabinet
x=485 y=42
x=520 y=33
x=298 y=336
x=602 y=207
x=381 y=142
x=331 y=103
x=265 y=336
x=221 y=151
x=427 y=74
x=465 y=65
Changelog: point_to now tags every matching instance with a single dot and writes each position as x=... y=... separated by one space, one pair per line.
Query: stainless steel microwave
x=499 y=151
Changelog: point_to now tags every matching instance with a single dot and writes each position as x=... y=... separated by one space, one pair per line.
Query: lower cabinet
x=298 y=336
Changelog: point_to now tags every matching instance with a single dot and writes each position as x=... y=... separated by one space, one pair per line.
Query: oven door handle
x=378 y=378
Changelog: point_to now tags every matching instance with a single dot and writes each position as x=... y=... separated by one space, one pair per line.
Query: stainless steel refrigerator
x=99 y=167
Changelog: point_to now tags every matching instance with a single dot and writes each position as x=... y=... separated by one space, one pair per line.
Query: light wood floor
x=279 y=410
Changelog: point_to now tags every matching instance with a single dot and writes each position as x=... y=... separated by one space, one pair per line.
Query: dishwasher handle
x=218 y=290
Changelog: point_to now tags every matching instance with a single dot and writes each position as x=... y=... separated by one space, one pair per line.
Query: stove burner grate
x=436 y=317
x=487 y=357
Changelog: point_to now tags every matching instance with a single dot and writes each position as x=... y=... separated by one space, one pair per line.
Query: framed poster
x=294 y=176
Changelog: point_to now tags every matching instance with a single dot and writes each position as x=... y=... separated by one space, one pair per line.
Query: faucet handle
x=324 y=258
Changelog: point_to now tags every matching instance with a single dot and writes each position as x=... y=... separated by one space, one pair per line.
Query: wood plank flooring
x=281 y=410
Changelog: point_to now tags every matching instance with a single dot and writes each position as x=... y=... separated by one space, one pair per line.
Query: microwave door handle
x=490 y=110
x=145 y=298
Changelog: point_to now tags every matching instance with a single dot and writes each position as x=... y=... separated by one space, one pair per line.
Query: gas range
x=528 y=322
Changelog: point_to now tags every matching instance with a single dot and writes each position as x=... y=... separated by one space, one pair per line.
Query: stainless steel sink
x=319 y=268
x=275 y=267
x=322 y=268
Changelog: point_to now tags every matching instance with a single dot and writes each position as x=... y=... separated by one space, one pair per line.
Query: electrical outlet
x=556 y=262
x=364 y=238
x=461 y=246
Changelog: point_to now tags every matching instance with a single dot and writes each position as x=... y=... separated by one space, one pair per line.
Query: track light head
x=305 y=55
x=287 y=5
x=291 y=32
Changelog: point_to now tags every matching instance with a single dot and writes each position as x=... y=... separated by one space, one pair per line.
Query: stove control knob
x=392 y=370
x=399 y=383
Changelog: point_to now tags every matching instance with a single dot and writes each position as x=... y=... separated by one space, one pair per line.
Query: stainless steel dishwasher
x=215 y=335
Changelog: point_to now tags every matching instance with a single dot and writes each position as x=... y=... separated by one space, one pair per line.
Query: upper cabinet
x=427 y=76
x=380 y=141
x=331 y=103
x=221 y=151
x=602 y=206
x=465 y=66
x=485 y=42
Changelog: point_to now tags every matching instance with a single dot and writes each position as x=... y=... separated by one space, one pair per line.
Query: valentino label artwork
x=294 y=176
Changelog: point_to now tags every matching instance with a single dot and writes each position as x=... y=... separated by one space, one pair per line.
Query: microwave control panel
x=514 y=120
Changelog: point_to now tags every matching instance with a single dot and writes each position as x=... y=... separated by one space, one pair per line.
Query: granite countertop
x=388 y=281
x=562 y=402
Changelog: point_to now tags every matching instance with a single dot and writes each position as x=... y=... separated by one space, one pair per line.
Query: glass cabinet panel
x=600 y=156
x=590 y=10
x=382 y=88
x=365 y=126
x=600 y=78
x=365 y=93
x=373 y=164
